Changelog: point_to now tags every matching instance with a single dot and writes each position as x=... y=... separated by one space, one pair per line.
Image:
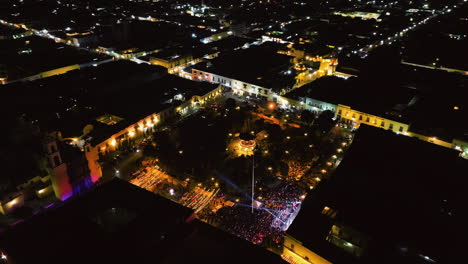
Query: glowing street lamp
x=271 y=106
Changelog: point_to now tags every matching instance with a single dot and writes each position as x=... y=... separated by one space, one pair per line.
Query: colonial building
x=171 y=61
x=104 y=144
x=264 y=72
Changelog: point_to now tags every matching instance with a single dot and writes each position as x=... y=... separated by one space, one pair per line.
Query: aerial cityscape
x=233 y=131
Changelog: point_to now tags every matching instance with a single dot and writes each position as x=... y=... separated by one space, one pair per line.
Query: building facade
x=317 y=106
x=295 y=252
x=172 y=62
x=356 y=117
x=139 y=129
x=238 y=87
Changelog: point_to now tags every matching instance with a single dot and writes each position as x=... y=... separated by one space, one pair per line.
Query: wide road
x=435 y=68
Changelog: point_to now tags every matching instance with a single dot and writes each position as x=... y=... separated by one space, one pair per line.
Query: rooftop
x=261 y=65
x=395 y=189
x=95 y=91
x=20 y=56
x=383 y=102
x=117 y=221
x=121 y=223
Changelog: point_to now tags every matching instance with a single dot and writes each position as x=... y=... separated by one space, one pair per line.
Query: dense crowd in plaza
x=268 y=220
x=262 y=221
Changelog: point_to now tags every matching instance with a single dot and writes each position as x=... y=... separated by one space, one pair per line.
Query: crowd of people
x=269 y=219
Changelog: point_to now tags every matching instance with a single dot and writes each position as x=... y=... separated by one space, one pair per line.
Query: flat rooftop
x=122 y=88
x=258 y=65
x=400 y=191
x=115 y=221
x=32 y=55
x=118 y=222
x=348 y=92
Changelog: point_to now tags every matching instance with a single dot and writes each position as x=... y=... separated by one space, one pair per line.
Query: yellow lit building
x=296 y=253
x=9 y=204
x=138 y=129
x=358 y=117
x=171 y=62
x=362 y=15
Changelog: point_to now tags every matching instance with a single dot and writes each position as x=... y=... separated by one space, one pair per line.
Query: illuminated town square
x=233 y=131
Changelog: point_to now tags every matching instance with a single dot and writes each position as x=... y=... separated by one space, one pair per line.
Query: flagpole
x=253 y=179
